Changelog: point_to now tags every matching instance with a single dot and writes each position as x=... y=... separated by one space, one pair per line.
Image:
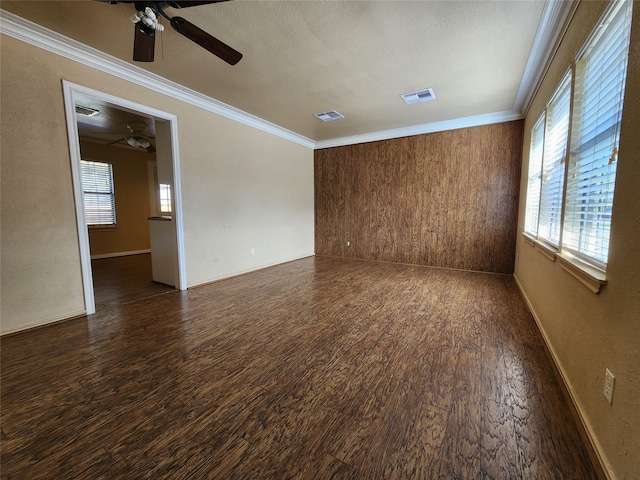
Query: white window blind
x=97 y=185
x=553 y=163
x=599 y=90
x=535 y=177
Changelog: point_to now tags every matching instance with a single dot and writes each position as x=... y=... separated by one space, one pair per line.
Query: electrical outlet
x=253 y=251
x=609 y=383
x=348 y=243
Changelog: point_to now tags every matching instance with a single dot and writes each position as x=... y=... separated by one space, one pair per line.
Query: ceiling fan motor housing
x=154 y=6
x=146 y=17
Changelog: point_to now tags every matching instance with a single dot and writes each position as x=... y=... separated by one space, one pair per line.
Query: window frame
x=86 y=192
x=534 y=178
x=589 y=270
x=163 y=192
x=600 y=135
x=558 y=162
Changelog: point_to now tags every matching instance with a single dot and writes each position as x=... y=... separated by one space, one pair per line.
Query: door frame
x=69 y=89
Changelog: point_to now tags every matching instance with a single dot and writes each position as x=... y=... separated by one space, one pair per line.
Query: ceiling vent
x=87 y=111
x=328 y=116
x=419 y=96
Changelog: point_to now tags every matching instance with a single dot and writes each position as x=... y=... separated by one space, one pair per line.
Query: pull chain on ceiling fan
x=146 y=26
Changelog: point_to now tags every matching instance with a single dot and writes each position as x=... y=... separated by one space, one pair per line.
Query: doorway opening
x=124 y=279
x=111 y=139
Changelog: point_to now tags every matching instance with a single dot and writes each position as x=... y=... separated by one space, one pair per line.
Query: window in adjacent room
x=581 y=149
x=164 y=194
x=99 y=198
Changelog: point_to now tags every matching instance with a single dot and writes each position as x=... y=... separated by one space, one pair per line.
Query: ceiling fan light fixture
x=138 y=142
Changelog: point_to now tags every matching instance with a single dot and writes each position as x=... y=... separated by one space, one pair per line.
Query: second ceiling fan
x=137 y=138
x=146 y=25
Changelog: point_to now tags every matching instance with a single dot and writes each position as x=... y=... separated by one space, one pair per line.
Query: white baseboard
x=42 y=323
x=244 y=272
x=120 y=254
x=585 y=424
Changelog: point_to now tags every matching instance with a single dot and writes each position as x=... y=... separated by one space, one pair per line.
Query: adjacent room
x=307 y=239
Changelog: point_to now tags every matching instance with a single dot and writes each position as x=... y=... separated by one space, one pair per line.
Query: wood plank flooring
x=125 y=279
x=319 y=368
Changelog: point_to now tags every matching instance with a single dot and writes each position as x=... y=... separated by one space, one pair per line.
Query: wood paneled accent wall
x=446 y=199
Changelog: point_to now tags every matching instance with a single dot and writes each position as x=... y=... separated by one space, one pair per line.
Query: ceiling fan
x=137 y=139
x=147 y=24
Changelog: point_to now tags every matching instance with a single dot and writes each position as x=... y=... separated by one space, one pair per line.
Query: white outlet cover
x=609 y=384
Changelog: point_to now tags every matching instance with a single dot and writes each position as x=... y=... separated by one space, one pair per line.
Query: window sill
x=546 y=250
x=529 y=239
x=100 y=228
x=589 y=276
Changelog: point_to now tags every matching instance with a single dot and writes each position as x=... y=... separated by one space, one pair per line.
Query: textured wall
x=590 y=332
x=242 y=188
x=41 y=278
x=132 y=199
x=445 y=199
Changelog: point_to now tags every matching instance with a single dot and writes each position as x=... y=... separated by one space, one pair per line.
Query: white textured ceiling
x=305 y=57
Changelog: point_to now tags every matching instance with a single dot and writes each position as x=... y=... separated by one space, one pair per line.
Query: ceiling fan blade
x=187 y=3
x=115 y=141
x=151 y=149
x=143 y=44
x=206 y=41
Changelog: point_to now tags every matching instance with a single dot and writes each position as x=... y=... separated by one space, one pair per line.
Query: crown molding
x=555 y=19
x=465 y=122
x=41 y=37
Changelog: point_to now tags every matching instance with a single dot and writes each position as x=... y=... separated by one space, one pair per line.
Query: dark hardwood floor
x=122 y=280
x=319 y=368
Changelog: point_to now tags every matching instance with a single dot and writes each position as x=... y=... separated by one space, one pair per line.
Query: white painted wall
x=241 y=188
x=241 y=195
